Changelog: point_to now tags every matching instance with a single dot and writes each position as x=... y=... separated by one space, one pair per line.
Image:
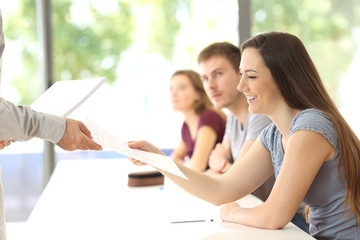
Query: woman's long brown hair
x=300 y=84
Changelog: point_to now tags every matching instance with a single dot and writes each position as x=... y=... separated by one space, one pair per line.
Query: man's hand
x=220 y=157
x=4 y=144
x=77 y=136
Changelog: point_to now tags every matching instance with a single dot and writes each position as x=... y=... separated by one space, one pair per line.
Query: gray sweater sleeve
x=22 y=123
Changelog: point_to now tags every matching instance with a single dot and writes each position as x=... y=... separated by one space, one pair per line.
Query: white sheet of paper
x=106 y=140
x=63 y=97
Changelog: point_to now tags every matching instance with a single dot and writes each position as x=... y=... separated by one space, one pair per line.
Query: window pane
x=21 y=163
x=330 y=30
x=136 y=44
x=145 y=43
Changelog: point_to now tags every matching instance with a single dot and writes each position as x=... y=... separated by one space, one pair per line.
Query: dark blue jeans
x=300 y=222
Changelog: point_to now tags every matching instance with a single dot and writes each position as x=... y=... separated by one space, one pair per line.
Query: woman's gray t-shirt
x=326 y=194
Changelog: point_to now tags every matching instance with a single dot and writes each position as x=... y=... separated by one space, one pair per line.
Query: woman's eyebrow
x=250 y=70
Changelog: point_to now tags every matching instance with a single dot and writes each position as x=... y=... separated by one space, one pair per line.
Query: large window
x=136 y=44
x=21 y=163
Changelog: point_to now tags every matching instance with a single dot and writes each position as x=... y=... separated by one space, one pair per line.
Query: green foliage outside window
x=85 y=48
x=325 y=26
x=93 y=47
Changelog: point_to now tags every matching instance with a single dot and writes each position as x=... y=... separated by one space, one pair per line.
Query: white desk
x=90 y=199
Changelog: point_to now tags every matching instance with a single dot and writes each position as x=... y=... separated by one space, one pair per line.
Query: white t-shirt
x=238 y=134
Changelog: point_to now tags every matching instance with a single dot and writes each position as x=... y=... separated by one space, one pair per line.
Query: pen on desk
x=192 y=221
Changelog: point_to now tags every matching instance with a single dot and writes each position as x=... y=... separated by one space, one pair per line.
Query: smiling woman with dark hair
x=309 y=146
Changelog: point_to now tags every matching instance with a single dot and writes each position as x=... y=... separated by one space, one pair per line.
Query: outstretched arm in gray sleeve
x=21 y=123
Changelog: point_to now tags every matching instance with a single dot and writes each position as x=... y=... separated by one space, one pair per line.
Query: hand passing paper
x=106 y=140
